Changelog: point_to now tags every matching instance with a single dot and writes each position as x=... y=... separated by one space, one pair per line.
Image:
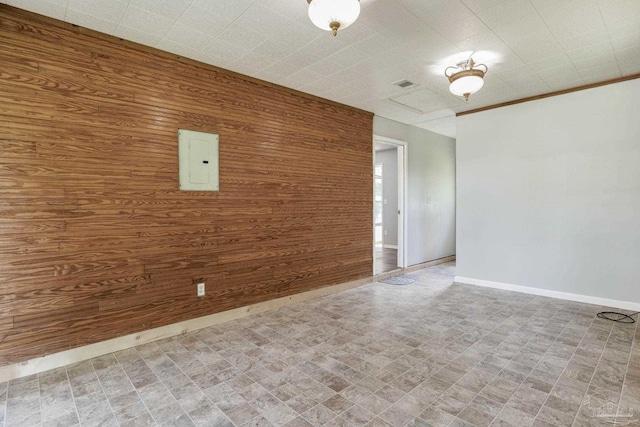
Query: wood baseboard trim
x=79 y=354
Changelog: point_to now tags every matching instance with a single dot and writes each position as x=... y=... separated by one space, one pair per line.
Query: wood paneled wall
x=96 y=241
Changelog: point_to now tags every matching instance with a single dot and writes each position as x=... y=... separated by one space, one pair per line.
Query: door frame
x=403 y=157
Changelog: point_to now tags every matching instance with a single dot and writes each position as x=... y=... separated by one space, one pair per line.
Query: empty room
x=299 y=213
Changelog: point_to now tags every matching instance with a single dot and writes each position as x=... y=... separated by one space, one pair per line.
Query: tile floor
x=431 y=353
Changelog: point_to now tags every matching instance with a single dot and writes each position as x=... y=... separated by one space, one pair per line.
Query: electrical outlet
x=200 y=289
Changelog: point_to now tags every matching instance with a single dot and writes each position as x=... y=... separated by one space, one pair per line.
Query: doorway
x=389 y=247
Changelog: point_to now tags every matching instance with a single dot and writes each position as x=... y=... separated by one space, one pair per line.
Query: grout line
x=6 y=406
x=134 y=387
x=595 y=369
x=73 y=397
x=624 y=379
x=102 y=387
x=546 y=351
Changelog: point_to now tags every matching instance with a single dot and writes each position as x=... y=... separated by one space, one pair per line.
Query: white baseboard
x=390 y=246
x=627 y=305
x=79 y=354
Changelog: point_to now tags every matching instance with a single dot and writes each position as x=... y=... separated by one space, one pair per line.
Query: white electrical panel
x=198 y=157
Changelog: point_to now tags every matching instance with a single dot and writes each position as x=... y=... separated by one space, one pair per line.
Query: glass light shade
x=326 y=13
x=466 y=84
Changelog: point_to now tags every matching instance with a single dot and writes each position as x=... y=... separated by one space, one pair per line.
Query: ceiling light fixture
x=467 y=80
x=331 y=15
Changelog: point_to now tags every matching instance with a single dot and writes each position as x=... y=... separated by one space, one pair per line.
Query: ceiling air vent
x=406 y=84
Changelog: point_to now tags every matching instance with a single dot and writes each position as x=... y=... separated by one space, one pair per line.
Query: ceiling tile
x=382 y=14
x=141 y=37
x=243 y=38
x=327 y=66
x=519 y=73
x=463 y=29
x=283 y=68
x=603 y=72
x=629 y=57
x=109 y=11
x=255 y=60
x=590 y=51
x=478 y=5
x=243 y=68
x=146 y=22
x=177 y=48
x=222 y=52
x=272 y=49
x=608 y=60
x=629 y=71
x=620 y=14
x=564 y=82
x=406 y=30
x=291 y=9
x=431 y=49
x=438 y=13
x=625 y=42
x=187 y=36
x=519 y=30
x=578 y=24
x=306 y=76
x=424 y=100
x=263 y=18
x=559 y=60
x=486 y=43
x=348 y=56
x=599 y=78
x=375 y=44
x=302 y=58
x=325 y=46
x=202 y=21
x=353 y=34
x=562 y=72
x=538 y=47
x=90 y=21
x=296 y=35
x=53 y=8
x=556 y=12
x=229 y=10
x=347 y=75
x=322 y=85
x=506 y=12
x=171 y=9
x=580 y=40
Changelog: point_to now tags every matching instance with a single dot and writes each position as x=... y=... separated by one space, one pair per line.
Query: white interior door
x=401 y=147
x=401 y=206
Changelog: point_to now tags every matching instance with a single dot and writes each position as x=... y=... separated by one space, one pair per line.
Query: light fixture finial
x=335 y=25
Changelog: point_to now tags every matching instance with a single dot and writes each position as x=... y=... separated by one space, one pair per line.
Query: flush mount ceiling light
x=331 y=15
x=467 y=80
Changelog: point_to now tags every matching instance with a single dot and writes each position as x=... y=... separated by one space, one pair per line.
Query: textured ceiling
x=530 y=46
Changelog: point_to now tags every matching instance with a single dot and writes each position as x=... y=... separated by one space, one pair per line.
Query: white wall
x=548 y=194
x=430 y=173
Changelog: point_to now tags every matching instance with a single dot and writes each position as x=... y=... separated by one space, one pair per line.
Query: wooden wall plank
x=97 y=241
